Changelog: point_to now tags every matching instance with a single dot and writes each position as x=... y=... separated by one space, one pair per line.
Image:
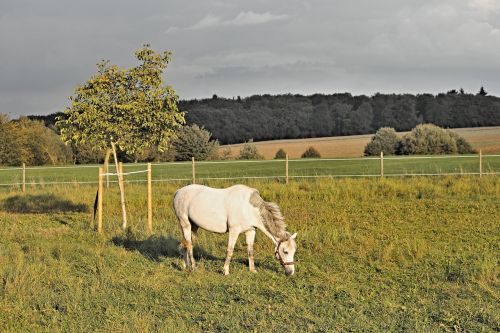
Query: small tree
x=249 y=151
x=193 y=141
x=129 y=109
x=44 y=144
x=31 y=142
x=11 y=152
x=482 y=92
x=311 y=152
x=386 y=140
x=280 y=154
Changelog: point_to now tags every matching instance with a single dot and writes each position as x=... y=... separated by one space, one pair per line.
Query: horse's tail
x=270 y=215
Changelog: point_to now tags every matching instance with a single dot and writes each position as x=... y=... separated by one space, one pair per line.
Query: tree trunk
x=106 y=165
x=122 y=190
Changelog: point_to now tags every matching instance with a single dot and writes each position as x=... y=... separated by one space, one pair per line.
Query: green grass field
x=398 y=254
x=267 y=168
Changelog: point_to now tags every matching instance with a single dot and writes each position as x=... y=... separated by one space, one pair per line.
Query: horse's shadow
x=39 y=204
x=156 y=247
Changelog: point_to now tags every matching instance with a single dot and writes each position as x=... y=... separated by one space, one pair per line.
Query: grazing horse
x=234 y=210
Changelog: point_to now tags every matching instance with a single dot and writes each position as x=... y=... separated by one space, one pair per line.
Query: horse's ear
x=293 y=236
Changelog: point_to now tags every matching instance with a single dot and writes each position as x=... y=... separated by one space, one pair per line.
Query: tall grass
x=412 y=254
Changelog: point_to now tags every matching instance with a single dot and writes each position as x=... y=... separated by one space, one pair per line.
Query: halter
x=278 y=256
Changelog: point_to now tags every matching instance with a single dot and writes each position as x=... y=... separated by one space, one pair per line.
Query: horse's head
x=284 y=252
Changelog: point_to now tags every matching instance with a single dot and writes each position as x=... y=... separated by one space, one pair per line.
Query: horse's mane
x=271 y=216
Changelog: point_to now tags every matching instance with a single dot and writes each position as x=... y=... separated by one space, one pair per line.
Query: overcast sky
x=241 y=47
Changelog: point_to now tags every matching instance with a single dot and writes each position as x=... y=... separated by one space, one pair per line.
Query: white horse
x=234 y=210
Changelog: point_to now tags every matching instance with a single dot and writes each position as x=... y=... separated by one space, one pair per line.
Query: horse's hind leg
x=187 y=243
x=194 y=230
x=233 y=236
x=250 y=238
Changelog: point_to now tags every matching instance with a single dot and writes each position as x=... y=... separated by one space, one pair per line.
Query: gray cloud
x=241 y=19
x=239 y=47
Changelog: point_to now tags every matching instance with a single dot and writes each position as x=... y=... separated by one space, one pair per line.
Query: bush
x=423 y=139
x=249 y=152
x=428 y=139
x=463 y=147
x=225 y=154
x=280 y=154
x=311 y=152
x=386 y=140
x=193 y=141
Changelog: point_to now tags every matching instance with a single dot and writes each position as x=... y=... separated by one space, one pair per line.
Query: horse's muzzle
x=289 y=270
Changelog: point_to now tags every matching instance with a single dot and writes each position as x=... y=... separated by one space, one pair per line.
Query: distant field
x=485 y=138
x=393 y=255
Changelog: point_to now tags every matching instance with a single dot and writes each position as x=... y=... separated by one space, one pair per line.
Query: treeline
x=273 y=117
x=266 y=117
x=269 y=117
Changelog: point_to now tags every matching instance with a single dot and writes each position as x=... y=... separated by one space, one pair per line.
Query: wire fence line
x=173 y=180
x=123 y=173
x=395 y=166
x=96 y=166
x=407 y=157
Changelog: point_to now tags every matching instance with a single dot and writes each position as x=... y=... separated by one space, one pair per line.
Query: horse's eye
x=285 y=252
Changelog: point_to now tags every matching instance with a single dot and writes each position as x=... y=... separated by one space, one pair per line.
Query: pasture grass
x=400 y=254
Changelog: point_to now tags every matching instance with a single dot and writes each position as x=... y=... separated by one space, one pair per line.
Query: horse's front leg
x=250 y=238
x=233 y=236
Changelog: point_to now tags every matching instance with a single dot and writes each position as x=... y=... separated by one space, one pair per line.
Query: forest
x=263 y=117
x=266 y=117
x=273 y=117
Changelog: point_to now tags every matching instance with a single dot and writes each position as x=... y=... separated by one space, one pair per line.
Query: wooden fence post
x=286 y=169
x=480 y=163
x=381 y=164
x=150 y=201
x=24 y=177
x=193 y=170
x=99 y=201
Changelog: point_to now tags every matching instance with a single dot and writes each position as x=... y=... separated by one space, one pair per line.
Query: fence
x=284 y=170
x=199 y=171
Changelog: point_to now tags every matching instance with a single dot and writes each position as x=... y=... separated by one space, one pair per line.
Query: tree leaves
x=131 y=107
